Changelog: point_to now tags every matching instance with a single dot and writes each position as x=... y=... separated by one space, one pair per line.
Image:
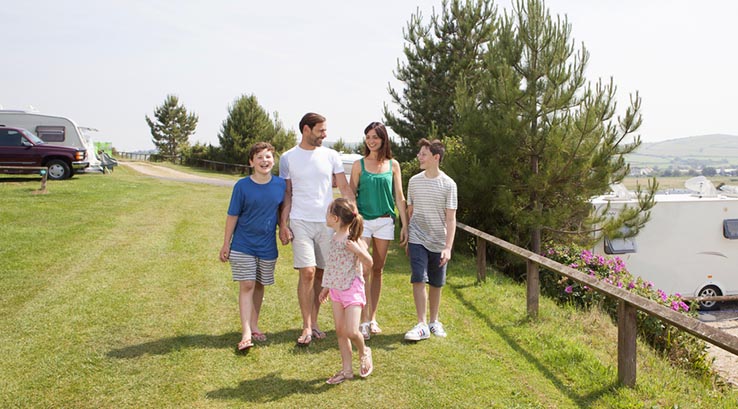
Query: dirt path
x=165 y=173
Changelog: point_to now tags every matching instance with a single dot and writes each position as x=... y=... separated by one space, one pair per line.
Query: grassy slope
x=111 y=295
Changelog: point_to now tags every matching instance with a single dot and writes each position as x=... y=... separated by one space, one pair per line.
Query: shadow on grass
x=584 y=401
x=230 y=340
x=271 y=388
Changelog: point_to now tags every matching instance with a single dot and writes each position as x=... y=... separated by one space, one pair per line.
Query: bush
x=678 y=346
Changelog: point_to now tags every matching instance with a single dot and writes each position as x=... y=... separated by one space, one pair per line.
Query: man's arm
x=285 y=234
x=344 y=187
x=450 y=235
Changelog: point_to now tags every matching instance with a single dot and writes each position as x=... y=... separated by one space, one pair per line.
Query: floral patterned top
x=343 y=266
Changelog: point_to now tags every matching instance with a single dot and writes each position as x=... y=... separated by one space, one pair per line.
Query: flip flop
x=244 y=345
x=258 y=336
x=339 y=377
x=318 y=334
x=304 y=340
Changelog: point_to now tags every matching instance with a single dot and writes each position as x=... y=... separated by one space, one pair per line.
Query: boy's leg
x=420 y=301
x=258 y=298
x=245 y=306
x=434 y=301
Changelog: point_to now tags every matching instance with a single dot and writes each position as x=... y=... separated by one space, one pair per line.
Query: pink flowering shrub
x=679 y=346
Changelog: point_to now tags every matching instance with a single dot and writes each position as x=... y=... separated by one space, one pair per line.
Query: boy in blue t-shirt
x=250 y=242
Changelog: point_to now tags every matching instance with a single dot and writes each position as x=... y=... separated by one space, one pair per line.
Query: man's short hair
x=435 y=147
x=311 y=119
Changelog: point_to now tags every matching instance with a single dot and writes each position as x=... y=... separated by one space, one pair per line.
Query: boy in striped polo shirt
x=431 y=205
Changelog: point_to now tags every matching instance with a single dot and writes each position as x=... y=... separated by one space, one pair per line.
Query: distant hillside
x=705 y=150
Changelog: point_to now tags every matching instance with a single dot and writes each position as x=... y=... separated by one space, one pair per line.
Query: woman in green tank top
x=377 y=182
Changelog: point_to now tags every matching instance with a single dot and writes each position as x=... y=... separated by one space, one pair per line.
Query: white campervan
x=54 y=130
x=690 y=244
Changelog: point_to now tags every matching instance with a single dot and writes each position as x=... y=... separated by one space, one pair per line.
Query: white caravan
x=54 y=130
x=690 y=244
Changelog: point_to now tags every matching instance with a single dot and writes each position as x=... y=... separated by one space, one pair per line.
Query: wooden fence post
x=627 y=332
x=481 y=259
x=533 y=289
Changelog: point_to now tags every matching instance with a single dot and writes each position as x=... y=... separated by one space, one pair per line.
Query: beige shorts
x=380 y=228
x=310 y=243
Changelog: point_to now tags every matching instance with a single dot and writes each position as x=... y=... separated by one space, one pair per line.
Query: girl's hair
x=386 y=151
x=349 y=216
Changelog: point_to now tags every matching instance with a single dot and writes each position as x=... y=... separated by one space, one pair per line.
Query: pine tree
x=172 y=128
x=539 y=138
x=438 y=56
x=248 y=123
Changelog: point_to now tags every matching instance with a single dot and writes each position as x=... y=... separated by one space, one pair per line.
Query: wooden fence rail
x=628 y=304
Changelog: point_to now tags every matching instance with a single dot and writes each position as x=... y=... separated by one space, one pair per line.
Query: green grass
x=111 y=295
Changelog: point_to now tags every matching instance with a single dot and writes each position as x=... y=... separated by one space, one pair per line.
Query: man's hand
x=285 y=235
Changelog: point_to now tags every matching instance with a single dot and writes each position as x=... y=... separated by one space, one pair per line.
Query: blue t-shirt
x=256 y=206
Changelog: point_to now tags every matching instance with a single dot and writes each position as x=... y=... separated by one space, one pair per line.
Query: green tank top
x=375 y=197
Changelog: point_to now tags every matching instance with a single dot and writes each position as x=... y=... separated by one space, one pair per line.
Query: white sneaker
x=436 y=328
x=419 y=331
x=364 y=329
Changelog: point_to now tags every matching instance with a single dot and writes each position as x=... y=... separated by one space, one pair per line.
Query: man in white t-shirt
x=309 y=169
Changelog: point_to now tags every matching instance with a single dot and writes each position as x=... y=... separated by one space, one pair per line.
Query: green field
x=111 y=295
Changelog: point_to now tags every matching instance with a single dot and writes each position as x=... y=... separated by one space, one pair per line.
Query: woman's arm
x=400 y=200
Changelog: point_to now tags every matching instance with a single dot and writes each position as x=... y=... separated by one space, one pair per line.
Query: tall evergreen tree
x=248 y=123
x=173 y=126
x=539 y=139
x=437 y=56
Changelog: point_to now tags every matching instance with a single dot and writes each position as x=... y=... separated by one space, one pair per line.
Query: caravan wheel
x=709 y=291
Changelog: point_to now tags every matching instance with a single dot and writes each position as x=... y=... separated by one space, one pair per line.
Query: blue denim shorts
x=425 y=266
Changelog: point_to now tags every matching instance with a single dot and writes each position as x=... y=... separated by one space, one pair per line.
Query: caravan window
x=620 y=246
x=730 y=229
x=51 y=133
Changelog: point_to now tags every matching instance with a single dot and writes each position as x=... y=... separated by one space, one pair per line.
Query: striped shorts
x=246 y=267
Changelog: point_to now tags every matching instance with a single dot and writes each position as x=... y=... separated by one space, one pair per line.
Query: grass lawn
x=111 y=295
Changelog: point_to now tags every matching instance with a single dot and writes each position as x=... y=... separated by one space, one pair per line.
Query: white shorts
x=381 y=228
x=310 y=243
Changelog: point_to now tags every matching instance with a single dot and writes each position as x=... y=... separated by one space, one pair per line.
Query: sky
x=108 y=64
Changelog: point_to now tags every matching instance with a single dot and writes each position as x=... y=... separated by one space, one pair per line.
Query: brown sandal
x=339 y=377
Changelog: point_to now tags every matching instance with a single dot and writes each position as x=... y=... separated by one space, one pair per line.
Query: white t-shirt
x=311 y=174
